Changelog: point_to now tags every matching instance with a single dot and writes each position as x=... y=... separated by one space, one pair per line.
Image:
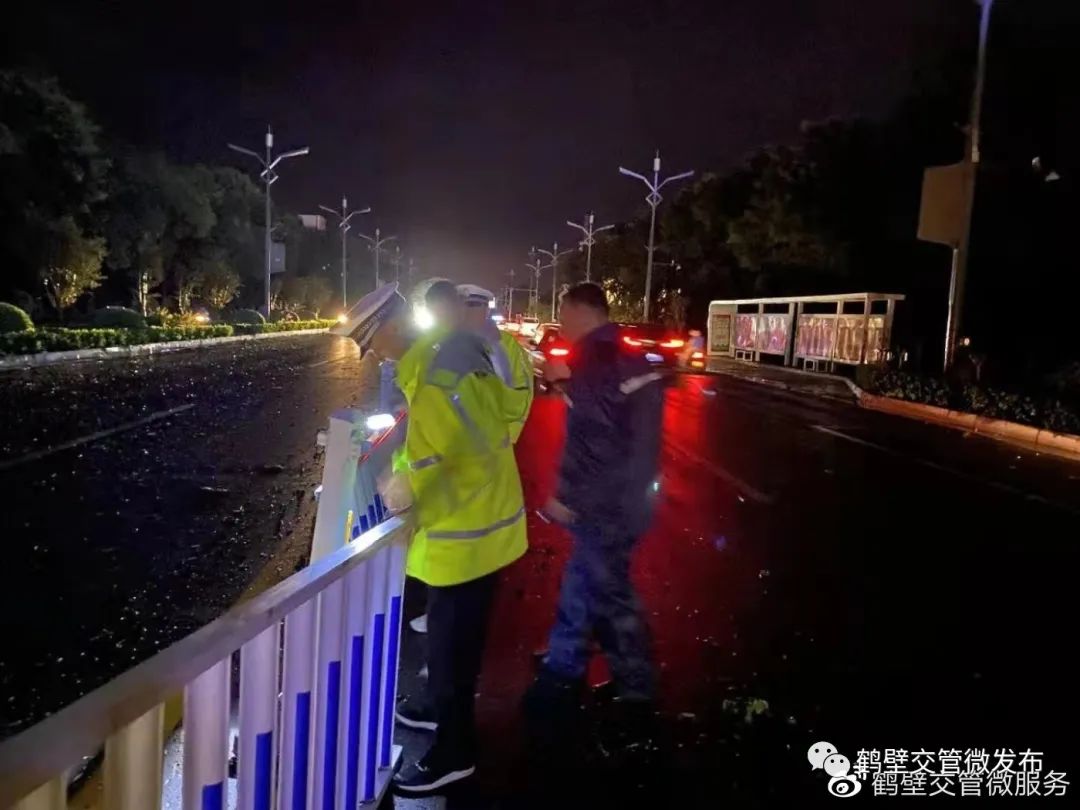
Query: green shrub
x=282 y=326
x=67 y=339
x=14 y=319
x=245 y=316
x=118 y=318
x=1036 y=410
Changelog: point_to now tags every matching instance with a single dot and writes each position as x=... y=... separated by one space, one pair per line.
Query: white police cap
x=472 y=294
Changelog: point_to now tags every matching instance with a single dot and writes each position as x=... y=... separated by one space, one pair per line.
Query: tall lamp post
x=396 y=262
x=343 y=224
x=376 y=245
x=589 y=240
x=510 y=297
x=972 y=156
x=534 y=285
x=653 y=199
x=554 y=254
x=268 y=177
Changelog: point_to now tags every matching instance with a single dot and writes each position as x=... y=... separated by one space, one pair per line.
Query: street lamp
x=396 y=262
x=972 y=155
x=268 y=177
x=589 y=239
x=653 y=199
x=343 y=224
x=554 y=254
x=534 y=287
x=376 y=245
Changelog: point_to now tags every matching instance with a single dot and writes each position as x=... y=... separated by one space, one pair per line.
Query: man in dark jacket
x=607 y=484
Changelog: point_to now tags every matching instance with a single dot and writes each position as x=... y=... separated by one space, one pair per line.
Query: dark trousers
x=598 y=599
x=457 y=628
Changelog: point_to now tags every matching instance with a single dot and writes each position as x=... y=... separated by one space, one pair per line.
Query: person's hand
x=556 y=371
x=557 y=511
x=396 y=492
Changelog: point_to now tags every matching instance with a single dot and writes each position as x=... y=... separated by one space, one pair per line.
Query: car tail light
x=697 y=356
x=559 y=352
x=674 y=343
x=629 y=341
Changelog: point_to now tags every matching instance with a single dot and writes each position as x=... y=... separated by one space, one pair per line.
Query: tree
x=780 y=228
x=217 y=285
x=138 y=217
x=72 y=264
x=51 y=168
x=308 y=294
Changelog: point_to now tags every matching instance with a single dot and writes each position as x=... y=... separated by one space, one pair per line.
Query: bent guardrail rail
x=317 y=681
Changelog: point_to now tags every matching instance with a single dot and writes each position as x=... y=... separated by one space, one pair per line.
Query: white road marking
x=327 y=362
x=93 y=437
x=741 y=486
x=933 y=465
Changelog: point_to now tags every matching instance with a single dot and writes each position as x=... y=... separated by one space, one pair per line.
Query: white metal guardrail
x=318 y=660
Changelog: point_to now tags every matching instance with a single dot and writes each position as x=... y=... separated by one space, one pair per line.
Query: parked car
x=541 y=330
x=551 y=348
x=528 y=326
x=660 y=345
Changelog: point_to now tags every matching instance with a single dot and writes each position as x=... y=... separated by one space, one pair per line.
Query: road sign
x=944 y=207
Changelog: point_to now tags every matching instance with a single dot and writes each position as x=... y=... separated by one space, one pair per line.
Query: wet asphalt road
x=872 y=581
x=126 y=541
x=876 y=582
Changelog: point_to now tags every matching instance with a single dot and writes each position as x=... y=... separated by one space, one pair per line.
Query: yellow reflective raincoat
x=459 y=458
x=518 y=398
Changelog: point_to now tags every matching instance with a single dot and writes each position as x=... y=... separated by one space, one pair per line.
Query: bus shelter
x=815 y=332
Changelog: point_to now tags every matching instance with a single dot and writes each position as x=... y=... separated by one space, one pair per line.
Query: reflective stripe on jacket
x=518 y=399
x=467 y=499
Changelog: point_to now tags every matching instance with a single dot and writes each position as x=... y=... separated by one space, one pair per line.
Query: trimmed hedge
x=61 y=340
x=1038 y=410
x=118 y=318
x=281 y=326
x=14 y=319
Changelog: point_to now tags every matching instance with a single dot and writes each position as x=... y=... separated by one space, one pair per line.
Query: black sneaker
x=416 y=714
x=435 y=771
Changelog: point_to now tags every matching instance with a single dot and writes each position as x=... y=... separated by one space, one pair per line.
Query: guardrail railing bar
x=396 y=584
x=327 y=699
x=297 y=704
x=354 y=624
x=373 y=652
x=206 y=738
x=133 y=763
x=34 y=757
x=50 y=796
x=258 y=719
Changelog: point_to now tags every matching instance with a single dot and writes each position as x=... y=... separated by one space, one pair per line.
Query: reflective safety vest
x=467 y=500
x=517 y=400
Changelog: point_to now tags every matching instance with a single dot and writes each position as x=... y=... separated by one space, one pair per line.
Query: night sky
x=477 y=129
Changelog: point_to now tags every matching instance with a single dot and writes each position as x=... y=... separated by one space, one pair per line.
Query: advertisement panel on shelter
x=746 y=332
x=772 y=333
x=719 y=333
x=850 y=332
x=814 y=337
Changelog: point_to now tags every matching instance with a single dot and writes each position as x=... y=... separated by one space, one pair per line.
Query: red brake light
x=674 y=343
x=559 y=352
x=629 y=341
